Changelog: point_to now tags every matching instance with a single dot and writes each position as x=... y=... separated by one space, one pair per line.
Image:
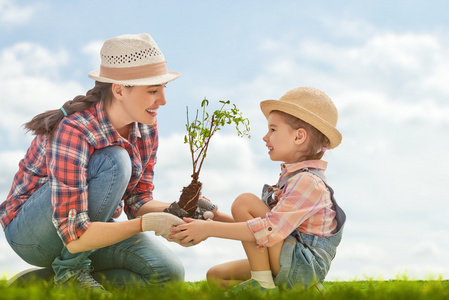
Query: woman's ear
x=301 y=136
x=117 y=91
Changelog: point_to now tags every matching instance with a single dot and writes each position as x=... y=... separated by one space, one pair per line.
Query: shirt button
x=269 y=228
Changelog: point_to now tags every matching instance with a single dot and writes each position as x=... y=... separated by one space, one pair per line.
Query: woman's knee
x=112 y=161
x=175 y=271
x=155 y=263
x=171 y=271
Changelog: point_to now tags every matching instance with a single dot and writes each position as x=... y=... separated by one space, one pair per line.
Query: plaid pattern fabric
x=64 y=164
x=304 y=204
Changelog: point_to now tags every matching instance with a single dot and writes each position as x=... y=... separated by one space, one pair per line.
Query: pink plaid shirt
x=304 y=204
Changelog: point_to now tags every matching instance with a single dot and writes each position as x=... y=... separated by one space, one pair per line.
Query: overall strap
x=283 y=181
x=340 y=214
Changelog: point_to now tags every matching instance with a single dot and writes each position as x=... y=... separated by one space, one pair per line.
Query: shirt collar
x=320 y=165
x=134 y=133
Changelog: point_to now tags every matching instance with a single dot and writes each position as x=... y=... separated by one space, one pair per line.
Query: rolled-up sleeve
x=143 y=169
x=68 y=158
x=142 y=193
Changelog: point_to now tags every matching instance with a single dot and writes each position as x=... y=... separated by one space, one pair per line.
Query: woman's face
x=142 y=102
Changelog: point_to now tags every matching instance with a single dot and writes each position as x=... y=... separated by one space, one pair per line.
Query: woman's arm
x=103 y=234
x=152 y=206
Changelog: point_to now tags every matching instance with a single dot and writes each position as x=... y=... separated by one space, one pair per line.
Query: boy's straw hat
x=132 y=59
x=310 y=105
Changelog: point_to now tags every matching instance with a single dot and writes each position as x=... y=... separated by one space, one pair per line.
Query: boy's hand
x=161 y=223
x=192 y=231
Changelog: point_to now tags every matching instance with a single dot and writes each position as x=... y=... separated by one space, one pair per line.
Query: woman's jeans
x=139 y=259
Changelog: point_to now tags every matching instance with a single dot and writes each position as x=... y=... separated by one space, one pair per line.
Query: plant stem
x=207 y=144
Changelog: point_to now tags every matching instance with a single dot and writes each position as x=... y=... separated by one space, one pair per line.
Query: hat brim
x=155 y=80
x=324 y=127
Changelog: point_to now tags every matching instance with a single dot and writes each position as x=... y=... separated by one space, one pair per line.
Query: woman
x=89 y=160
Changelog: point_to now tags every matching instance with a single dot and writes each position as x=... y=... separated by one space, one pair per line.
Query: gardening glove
x=161 y=223
x=205 y=203
x=208 y=206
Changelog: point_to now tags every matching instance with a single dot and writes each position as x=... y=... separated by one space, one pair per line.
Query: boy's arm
x=199 y=230
x=223 y=217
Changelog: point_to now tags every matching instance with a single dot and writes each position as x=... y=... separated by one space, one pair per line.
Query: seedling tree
x=198 y=136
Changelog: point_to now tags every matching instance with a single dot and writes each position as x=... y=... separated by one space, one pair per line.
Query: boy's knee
x=214 y=277
x=212 y=273
x=242 y=203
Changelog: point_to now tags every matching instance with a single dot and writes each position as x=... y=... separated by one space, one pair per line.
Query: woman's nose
x=162 y=100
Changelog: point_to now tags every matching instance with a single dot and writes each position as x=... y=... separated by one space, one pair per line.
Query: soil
x=189 y=197
x=187 y=206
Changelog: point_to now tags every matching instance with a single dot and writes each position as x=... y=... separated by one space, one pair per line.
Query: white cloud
x=93 y=50
x=31 y=59
x=10 y=13
x=427 y=248
x=9 y=160
x=31 y=83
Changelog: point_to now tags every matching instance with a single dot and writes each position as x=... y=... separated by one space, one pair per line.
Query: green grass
x=369 y=289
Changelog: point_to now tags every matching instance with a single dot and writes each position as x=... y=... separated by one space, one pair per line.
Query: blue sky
x=384 y=64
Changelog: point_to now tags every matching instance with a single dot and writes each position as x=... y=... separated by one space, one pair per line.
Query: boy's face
x=282 y=140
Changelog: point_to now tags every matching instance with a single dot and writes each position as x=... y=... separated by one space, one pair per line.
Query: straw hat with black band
x=310 y=105
x=133 y=59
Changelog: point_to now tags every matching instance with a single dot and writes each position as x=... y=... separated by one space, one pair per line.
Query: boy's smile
x=280 y=139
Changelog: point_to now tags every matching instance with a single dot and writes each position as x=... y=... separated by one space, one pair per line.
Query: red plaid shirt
x=64 y=164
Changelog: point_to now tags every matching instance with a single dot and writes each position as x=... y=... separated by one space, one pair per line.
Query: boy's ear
x=301 y=136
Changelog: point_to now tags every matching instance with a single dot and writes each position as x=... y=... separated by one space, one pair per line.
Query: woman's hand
x=161 y=223
x=194 y=231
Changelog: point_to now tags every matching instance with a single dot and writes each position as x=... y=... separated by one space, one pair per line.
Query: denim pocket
x=34 y=254
x=308 y=255
x=305 y=268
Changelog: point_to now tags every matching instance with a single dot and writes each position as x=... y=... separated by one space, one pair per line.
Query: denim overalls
x=305 y=259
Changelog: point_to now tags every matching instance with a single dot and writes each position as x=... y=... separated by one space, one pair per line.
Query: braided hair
x=46 y=123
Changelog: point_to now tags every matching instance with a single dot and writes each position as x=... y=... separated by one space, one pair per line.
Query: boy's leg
x=263 y=264
x=247 y=207
x=230 y=273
